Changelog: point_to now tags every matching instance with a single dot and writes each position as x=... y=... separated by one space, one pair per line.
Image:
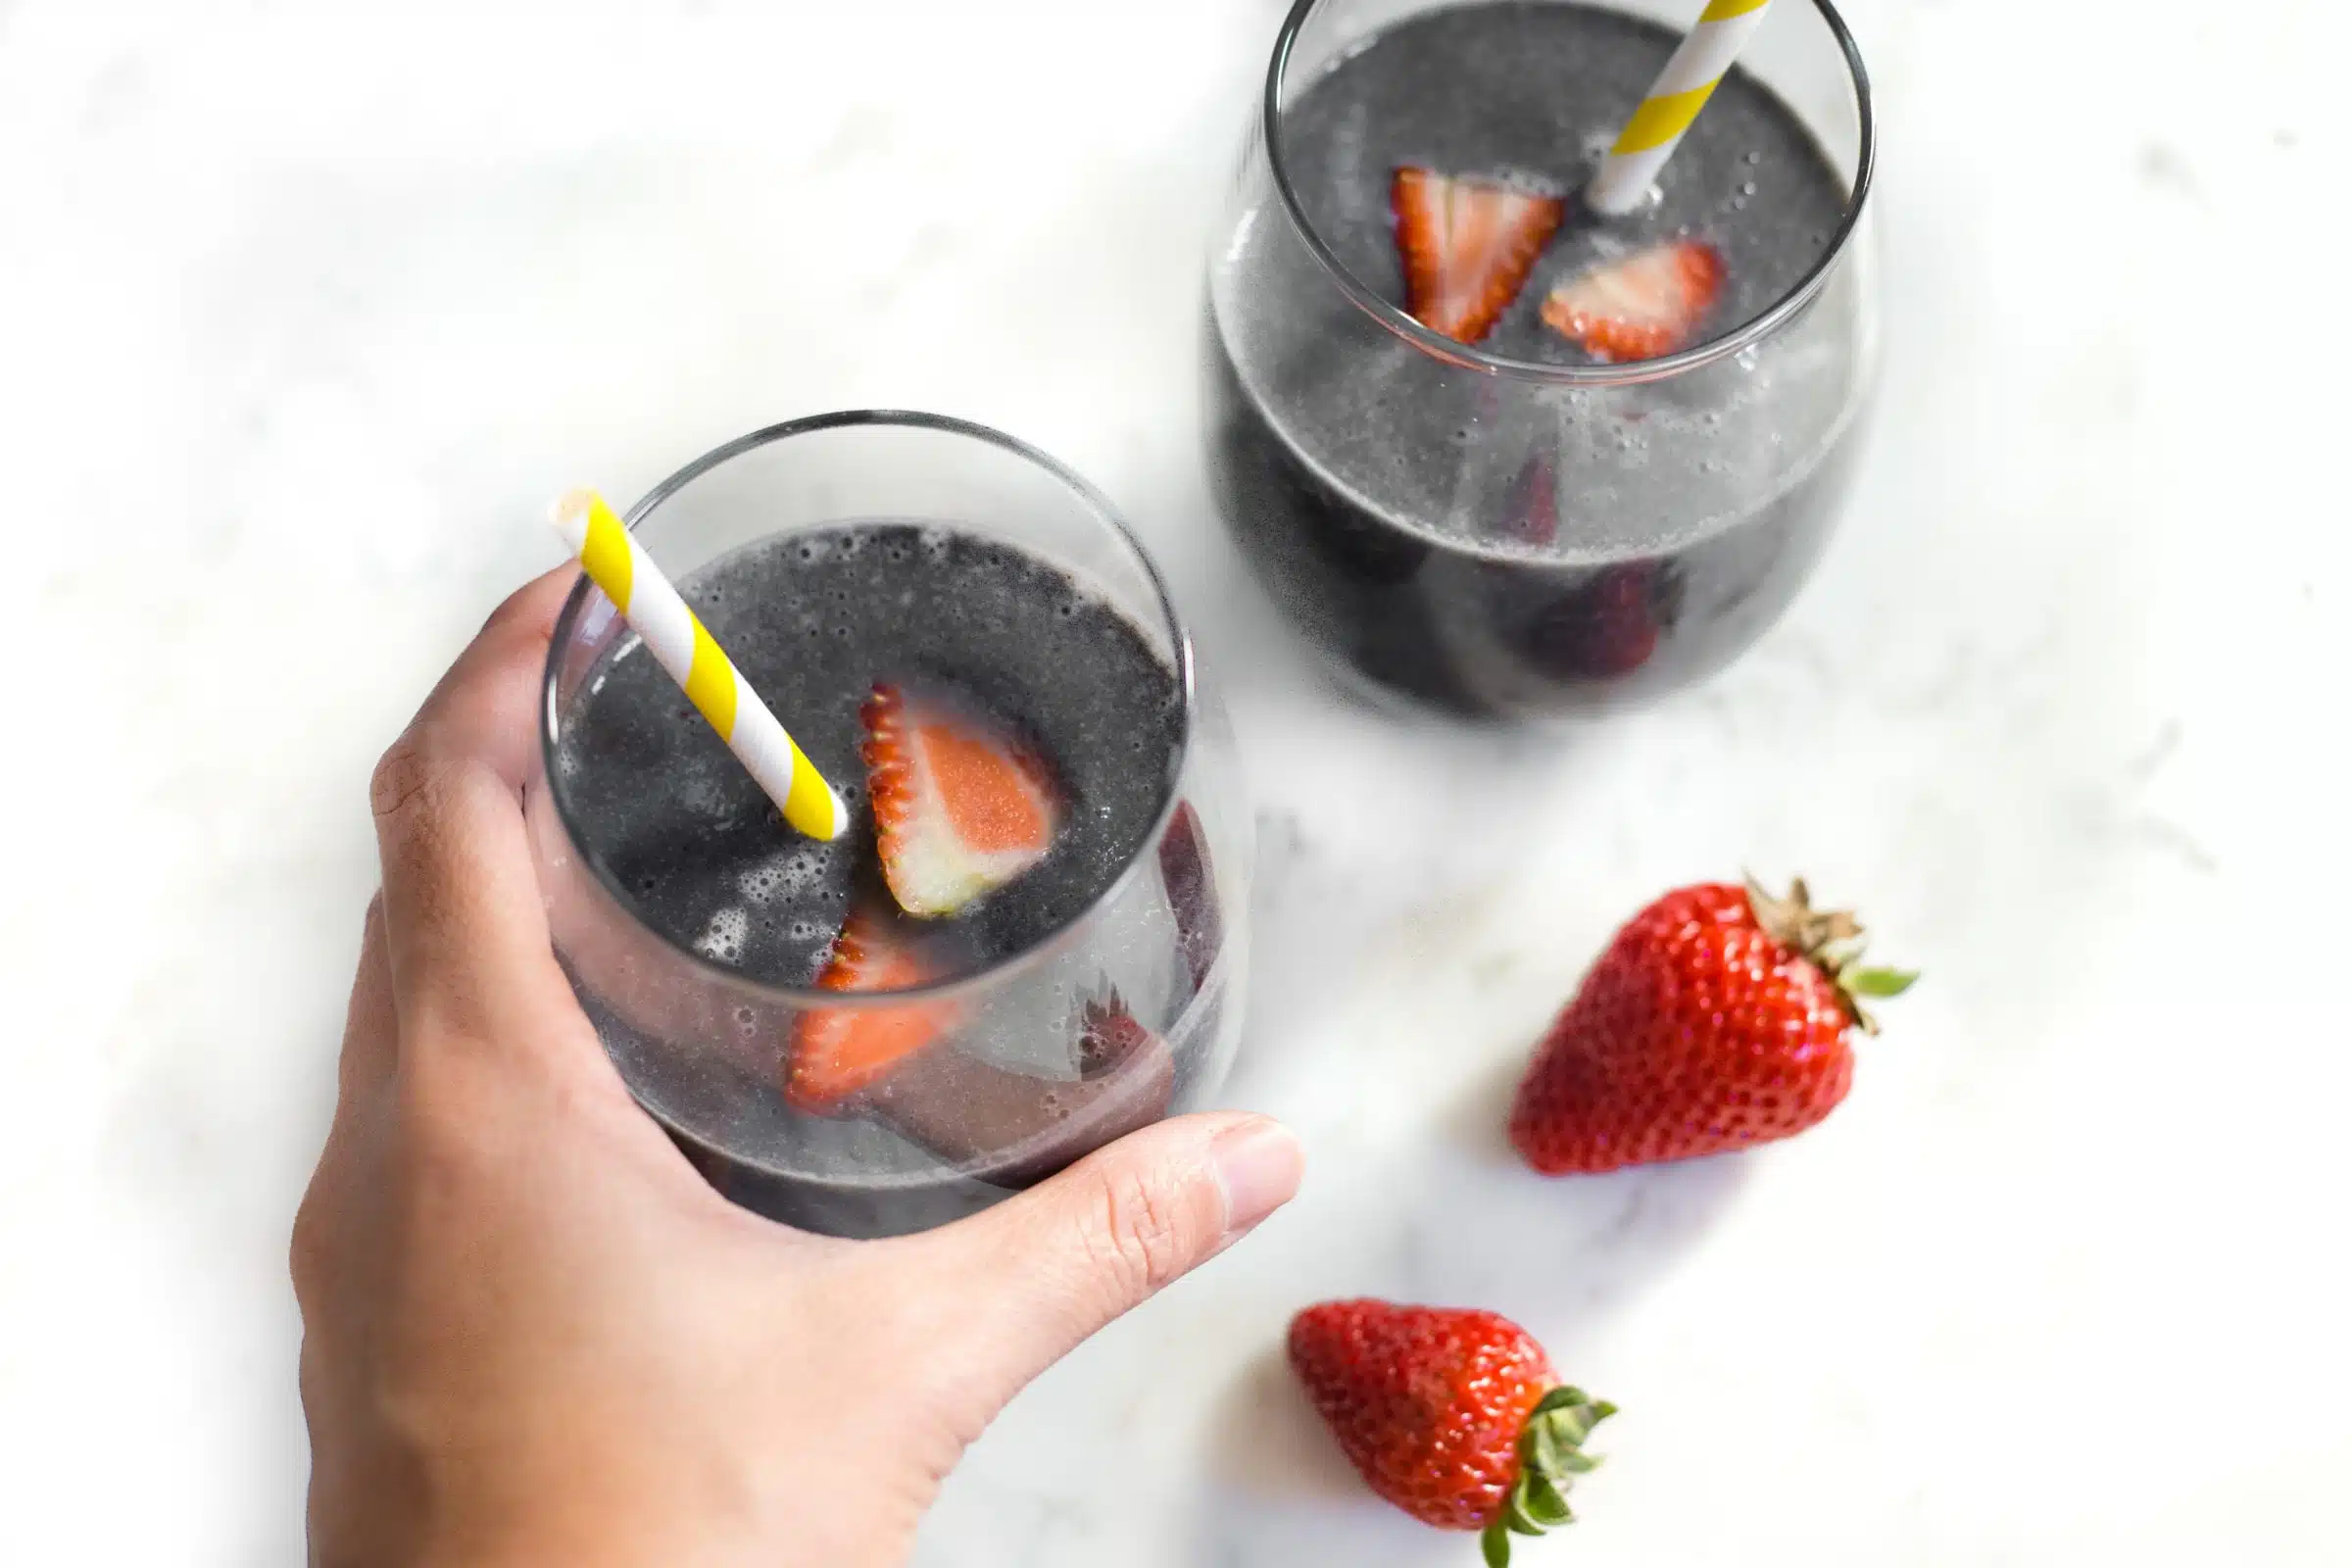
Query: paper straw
x=1675 y=99
x=674 y=635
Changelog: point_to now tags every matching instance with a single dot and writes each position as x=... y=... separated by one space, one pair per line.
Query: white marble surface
x=305 y=308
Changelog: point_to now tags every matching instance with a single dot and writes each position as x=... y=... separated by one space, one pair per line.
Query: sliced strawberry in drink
x=1532 y=505
x=960 y=808
x=1184 y=871
x=1108 y=1036
x=1467 y=246
x=1621 y=622
x=837 y=1053
x=1641 y=305
x=1607 y=625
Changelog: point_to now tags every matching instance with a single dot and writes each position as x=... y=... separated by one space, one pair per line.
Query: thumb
x=1041 y=1272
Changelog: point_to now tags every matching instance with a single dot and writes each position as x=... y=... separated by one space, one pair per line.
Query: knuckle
x=406 y=774
x=523 y=626
x=516 y=613
x=1142 y=1236
x=309 y=1250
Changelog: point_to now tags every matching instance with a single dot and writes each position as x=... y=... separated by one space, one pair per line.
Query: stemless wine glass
x=1510 y=529
x=1127 y=1011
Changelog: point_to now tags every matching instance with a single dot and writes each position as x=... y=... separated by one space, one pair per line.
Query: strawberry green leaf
x=1549 y=1459
x=1877 y=982
x=1542 y=1451
x=1494 y=1545
x=1544 y=1504
x=1560 y=1399
x=1569 y=1426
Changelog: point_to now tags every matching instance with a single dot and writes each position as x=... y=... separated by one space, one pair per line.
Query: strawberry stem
x=1551 y=1458
x=1831 y=941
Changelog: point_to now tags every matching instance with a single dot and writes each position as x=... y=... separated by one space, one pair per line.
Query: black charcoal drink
x=679 y=833
x=1498 y=546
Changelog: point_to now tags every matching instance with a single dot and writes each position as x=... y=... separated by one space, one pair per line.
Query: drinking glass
x=1516 y=538
x=1007 y=1094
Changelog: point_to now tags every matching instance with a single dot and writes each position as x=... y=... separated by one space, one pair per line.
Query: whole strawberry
x=1453 y=1415
x=1719 y=1017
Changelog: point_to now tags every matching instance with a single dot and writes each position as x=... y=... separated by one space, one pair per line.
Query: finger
x=369 y=1050
x=371 y=1030
x=487 y=703
x=1039 y=1273
x=465 y=935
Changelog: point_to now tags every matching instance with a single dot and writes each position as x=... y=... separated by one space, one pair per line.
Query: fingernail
x=1259 y=1164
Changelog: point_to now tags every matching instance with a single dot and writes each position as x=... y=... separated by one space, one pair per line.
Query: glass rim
x=812 y=997
x=1469 y=356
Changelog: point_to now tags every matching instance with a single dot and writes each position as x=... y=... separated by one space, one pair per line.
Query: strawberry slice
x=1642 y=306
x=1467 y=247
x=838 y=1051
x=1620 y=621
x=1183 y=873
x=1108 y=1035
x=961 y=810
x=1532 y=506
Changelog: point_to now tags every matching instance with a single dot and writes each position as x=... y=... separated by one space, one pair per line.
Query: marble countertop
x=305 y=308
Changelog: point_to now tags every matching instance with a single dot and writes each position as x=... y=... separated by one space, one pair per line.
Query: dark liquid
x=676 y=827
x=813 y=622
x=1503 y=637
x=1487 y=546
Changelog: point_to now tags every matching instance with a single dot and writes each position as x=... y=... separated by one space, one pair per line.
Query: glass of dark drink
x=1031 y=939
x=1493 y=452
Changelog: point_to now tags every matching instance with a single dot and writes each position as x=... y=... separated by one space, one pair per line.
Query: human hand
x=532 y=1333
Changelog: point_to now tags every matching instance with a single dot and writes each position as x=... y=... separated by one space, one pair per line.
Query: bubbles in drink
x=714 y=790
x=721 y=940
x=659 y=797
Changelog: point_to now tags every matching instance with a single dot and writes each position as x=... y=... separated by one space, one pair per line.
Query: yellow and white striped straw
x=1675 y=99
x=674 y=635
